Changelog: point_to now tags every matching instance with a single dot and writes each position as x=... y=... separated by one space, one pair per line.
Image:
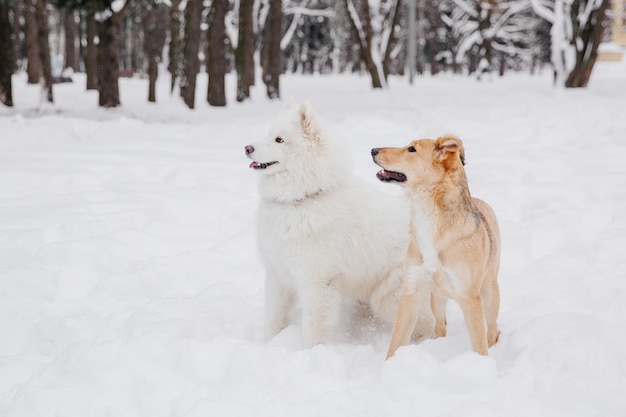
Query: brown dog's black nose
x=249 y=149
x=375 y=151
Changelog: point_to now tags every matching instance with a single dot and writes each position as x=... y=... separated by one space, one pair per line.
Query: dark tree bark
x=191 y=62
x=216 y=53
x=109 y=58
x=587 y=50
x=71 y=37
x=91 y=51
x=271 y=61
x=108 y=63
x=151 y=47
x=174 y=63
x=33 y=66
x=44 y=48
x=244 y=54
x=17 y=11
x=7 y=57
x=161 y=28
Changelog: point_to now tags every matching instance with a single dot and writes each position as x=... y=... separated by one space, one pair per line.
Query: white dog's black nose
x=249 y=149
x=375 y=151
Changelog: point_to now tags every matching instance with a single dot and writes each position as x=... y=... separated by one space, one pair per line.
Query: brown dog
x=454 y=248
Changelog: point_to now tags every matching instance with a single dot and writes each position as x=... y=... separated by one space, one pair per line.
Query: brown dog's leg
x=491 y=297
x=474 y=314
x=406 y=318
x=438 y=305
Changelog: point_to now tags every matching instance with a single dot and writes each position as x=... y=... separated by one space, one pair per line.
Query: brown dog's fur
x=454 y=248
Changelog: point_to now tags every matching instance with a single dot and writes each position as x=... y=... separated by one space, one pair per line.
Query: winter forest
x=263 y=39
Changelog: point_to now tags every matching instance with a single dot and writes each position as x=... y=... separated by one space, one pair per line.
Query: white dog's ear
x=307 y=120
x=291 y=103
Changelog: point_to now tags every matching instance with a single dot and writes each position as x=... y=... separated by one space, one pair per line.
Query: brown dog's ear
x=447 y=149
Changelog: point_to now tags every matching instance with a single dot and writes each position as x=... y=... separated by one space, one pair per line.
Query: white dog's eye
x=411 y=149
x=279 y=140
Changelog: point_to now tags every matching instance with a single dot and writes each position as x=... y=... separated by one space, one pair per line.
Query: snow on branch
x=542 y=10
x=466 y=44
x=590 y=7
x=294 y=25
x=387 y=33
x=466 y=7
x=303 y=11
x=510 y=12
x=354 y=15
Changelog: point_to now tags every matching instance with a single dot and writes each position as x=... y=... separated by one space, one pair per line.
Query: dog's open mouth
x=262 y=165
x=388 y=176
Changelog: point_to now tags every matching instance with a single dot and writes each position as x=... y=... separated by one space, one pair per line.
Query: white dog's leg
x=278 y=302
x=320 y=310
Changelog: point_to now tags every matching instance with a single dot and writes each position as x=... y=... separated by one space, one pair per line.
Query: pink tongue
x=254 y=164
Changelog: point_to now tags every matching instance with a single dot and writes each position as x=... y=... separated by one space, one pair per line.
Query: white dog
x=322 y=234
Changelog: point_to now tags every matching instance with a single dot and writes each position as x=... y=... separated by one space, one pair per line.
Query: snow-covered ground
x=131 y=286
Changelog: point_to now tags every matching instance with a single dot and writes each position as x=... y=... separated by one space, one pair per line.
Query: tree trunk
x=433 y=41
x=216 y=53
x=271 y=48
x=420 y=65
x=33 y=67
x=109 y=58
x=17 y=9
x=395 y=21
x=44 y=48
x=590 y=35
x=161 y=28
x=174 y=63
x=91 y=52
x=71 y=46
x=244 y=54
x=191 y=62
x=485 y=53
x=7 y=57
x=151 y=47
x=363 y=27
x=108 y=63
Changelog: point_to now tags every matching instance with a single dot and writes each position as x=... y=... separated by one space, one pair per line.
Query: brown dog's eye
x=279 y=140
x=411 y=149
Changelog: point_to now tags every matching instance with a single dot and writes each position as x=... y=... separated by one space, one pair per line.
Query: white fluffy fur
x=322 y=234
